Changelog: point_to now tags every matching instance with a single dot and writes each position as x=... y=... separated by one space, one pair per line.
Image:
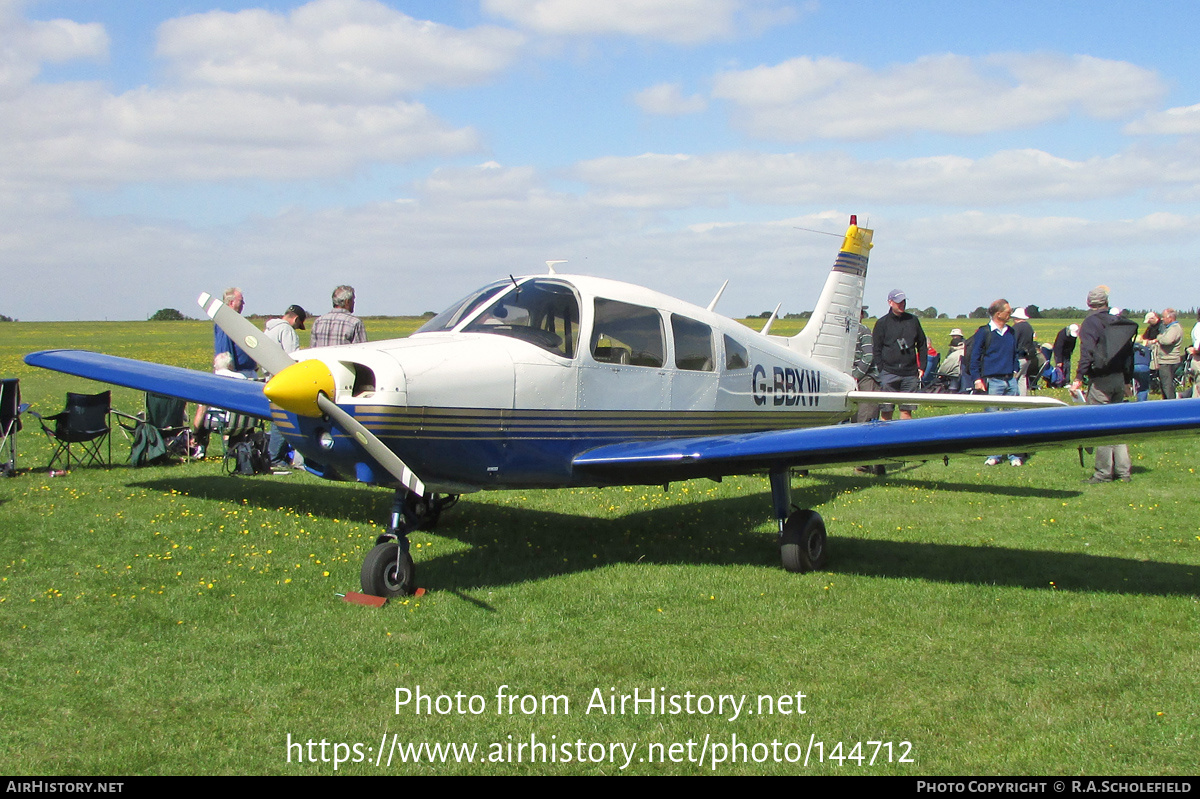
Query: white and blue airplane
x=557 y=380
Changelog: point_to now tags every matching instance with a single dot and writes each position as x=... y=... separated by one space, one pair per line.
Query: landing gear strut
x=388 y=570
x=802 y=539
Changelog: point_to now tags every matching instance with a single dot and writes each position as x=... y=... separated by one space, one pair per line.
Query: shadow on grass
x=839 y=483
x=1022 y=568
x=509 y=545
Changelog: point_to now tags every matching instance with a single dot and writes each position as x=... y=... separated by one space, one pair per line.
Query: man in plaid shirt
x=339 y=326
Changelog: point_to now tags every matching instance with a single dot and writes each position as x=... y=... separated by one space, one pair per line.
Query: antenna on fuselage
x=550 y=265
x=774 y=315
x=720 y=291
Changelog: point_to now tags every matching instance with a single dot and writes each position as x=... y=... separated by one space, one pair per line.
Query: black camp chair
x=10 y=422
x=84 y=422
x=159 y=431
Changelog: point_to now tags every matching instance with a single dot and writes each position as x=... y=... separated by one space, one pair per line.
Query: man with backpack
x=1106 y=360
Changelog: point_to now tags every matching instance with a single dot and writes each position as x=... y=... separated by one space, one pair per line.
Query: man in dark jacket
x=899 y=347
x=1064 y=348
x=1026 y=349
x=1106 y=360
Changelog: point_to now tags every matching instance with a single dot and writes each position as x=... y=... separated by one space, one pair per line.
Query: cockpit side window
x=452 y=316
x=736 y=356
x=627 y=334
x=543 y=312
x=693 y=344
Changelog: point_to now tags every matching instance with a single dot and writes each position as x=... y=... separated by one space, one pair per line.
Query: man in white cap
x=1025 y=348
x=1064 y=348
x=899 y=346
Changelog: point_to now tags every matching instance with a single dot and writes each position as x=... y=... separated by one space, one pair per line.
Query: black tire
x=802 y=544
x=382 y=577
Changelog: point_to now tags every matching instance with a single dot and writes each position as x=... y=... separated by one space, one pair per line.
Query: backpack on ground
x=246 y=453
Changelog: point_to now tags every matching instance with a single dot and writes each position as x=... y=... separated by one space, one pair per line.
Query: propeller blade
x=265 y=350
x=374 y=447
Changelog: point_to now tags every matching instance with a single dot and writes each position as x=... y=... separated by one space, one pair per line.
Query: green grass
x=173 y=620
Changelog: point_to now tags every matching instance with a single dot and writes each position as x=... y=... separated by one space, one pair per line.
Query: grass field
x=174 y=620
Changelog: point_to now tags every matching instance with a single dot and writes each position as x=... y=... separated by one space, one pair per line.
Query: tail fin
x=832 y=332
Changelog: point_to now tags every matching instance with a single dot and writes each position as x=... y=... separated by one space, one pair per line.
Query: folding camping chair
x=10 y=422
x=160 y=430
x=85 y=422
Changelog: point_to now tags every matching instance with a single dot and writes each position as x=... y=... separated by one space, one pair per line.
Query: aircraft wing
x=875 y=442
x=240 y=396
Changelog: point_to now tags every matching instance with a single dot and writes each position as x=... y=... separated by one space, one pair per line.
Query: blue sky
x=153 y=150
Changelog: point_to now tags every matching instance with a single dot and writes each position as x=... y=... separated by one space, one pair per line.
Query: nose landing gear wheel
x=802 y=542
x=388 y=572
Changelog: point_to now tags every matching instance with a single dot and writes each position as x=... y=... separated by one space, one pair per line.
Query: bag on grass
x=248 y=453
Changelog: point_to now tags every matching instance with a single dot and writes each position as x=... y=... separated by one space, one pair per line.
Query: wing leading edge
x=873 y=442
x=240 y=396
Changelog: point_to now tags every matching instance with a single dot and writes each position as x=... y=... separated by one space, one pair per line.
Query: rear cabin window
x=542 y=312
x=693 y=344
x=627 y=334
x=736 y=356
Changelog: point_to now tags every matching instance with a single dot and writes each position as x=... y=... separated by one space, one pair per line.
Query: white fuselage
x=542 y=368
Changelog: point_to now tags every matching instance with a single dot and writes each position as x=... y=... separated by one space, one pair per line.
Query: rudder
x=832 y=332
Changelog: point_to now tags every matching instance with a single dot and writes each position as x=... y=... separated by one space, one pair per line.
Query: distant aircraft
x=559 y=380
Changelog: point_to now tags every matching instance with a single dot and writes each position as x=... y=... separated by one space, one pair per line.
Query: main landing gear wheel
x=388 y=572
x=802 y=542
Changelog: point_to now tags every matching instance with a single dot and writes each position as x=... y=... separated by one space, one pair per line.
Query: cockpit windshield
x=543 y=312
x=452 y=316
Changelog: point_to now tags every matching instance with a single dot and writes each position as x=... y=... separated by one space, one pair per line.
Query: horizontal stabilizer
x=962 y=400
x=239 y=396
x=660 y=461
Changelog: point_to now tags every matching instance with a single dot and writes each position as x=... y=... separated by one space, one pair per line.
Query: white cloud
x=462 y=227
x=26 y=44
x=975 y=230
x=265 y=96
x=332 y=50
x=679 y=21
x=486 y=183
x=666 y=99
x=806 y=98
x=1046 y=260
x=80 y=134
x=1183 y=120
x=1012 y=176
